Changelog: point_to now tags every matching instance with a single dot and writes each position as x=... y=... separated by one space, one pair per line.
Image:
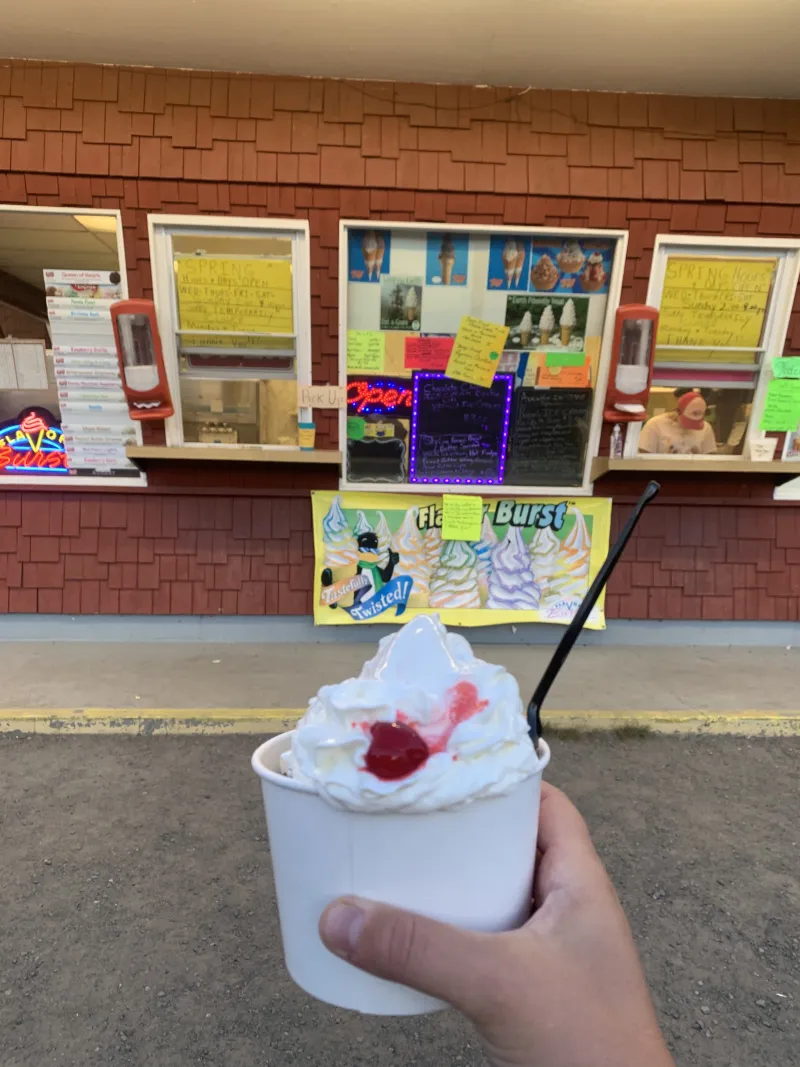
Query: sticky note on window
x=366 y=350
x=355 y=428
x=782 y=405
x=427 y=353
x=476 y=352
x=462 y=517
x=564 y=359
x=786 y=367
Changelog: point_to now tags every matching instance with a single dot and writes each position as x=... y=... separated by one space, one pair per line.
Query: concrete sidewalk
x=195 y=676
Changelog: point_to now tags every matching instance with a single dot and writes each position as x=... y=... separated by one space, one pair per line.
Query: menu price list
x=94 y=412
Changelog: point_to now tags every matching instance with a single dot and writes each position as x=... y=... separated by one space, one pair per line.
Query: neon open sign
x=379 y=396
x=32 y=444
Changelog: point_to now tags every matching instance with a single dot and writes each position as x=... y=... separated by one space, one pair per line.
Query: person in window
x=681 y=432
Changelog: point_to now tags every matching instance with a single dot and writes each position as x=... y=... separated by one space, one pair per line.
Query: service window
x=232 y=298
x=404 y=290
x=724 y=312
x=63 y=415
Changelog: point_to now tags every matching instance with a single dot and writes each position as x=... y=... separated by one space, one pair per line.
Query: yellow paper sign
x=366 y=350
x=243 y=295
x=321 y=396
x=716 y=302
x=462 y=517
x=476 y=352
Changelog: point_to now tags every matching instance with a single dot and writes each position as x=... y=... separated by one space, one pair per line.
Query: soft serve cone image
x=362 y=525
x=341 y=549
x=525 y=329
x=409 y=544
x=483 y=550
x=567 y=321
x=447 y=258
x=543 y=550
x=519 y=264
x=416 y=784
x=379 y=254
x=570 y=577
x=547 y=323
x=433 y=546
x=412 y=304
x=512 y=586
x=369 y=250
x=454 y=583
x=509 y=257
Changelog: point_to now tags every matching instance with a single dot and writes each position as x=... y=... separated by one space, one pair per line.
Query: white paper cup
x=472 y=867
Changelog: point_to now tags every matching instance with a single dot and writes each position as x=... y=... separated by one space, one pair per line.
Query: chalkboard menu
x=375 y=459
x=459 y=432
x=549 y=433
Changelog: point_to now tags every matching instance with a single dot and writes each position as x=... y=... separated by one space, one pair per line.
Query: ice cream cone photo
x=520 y=263
x=567 y=321
x=510 y=254
x=525 y=329
x=447 y=259
x=379 y=254
x=369 y=250
x=565 y=334
x=547 y=323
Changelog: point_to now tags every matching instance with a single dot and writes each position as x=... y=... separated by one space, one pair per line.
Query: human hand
x=566 y=990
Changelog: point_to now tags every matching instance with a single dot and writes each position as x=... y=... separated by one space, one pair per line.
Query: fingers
x=567 y=856
x=446 y=962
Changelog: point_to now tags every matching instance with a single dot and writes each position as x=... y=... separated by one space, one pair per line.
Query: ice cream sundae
x=426 y=726
x=544 y=275
x=571 y=258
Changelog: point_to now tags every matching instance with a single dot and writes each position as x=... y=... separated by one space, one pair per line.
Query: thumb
x=444 y=961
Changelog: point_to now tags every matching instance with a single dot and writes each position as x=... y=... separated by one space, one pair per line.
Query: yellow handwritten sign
x=476 y=352
x=321 y=396
x=241 y=295
x=462 y=517
x=366 y=350
x=718 y=302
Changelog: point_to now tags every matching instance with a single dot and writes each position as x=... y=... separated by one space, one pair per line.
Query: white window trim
x=160 y=229
x=78 y=482
x=586 y=488
x=775 y=327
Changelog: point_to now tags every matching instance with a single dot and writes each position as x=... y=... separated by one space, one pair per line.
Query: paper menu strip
x=476 y=351
x=246 y=295
x=462 y=517
x=366 y=350
x=30 y=364
x=8 y=372
x=714 y=301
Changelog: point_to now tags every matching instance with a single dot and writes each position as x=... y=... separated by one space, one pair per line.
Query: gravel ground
x=138 y=923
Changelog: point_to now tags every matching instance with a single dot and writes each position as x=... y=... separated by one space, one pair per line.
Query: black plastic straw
x=570 y=635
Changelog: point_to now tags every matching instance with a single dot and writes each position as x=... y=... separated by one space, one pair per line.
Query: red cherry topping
x=396 y=750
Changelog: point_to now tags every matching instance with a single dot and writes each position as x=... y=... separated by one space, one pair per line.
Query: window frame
x=586 y=488
x=81 y=481
x=776 y=320
x=160 y=230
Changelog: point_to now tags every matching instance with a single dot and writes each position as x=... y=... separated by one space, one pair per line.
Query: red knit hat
x=683 y=403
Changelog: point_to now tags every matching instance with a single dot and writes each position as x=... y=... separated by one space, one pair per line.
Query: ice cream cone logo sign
x=32 y=443
x=379 y=557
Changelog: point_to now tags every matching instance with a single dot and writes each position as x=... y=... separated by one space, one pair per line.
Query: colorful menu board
x=469 y=306
x=459 y=431
x=94 y=412
x=716 y=301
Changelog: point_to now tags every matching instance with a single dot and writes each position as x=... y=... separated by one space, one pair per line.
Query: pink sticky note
x=427 y=353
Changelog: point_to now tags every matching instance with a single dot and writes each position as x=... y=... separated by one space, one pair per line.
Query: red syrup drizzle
x=399 y=748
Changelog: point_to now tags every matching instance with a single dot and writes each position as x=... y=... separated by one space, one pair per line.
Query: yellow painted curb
x=147 y=721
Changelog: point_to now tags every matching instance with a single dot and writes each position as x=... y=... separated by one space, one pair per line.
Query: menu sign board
x=549 y=434
x=459 y=431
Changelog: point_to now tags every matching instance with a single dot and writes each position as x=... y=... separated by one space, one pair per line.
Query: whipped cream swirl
x=468 y=713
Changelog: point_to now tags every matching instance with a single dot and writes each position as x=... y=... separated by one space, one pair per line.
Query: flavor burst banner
x=380 y=557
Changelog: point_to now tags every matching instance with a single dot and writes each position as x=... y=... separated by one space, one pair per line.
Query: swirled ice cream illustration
x=544 y=549
x=483 y=549
x=454 y=583
x=570 y=577
x=363 y=525
x=433 y=546
x=409 y=544
x=511 y=583
x=341 y=549
x=384 y=539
